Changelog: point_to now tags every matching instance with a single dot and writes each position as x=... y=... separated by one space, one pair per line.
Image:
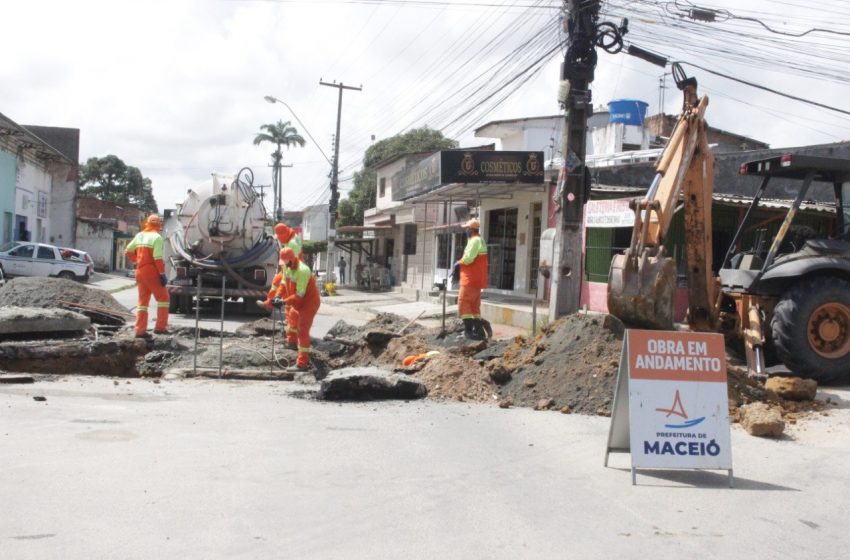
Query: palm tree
x=280 y=134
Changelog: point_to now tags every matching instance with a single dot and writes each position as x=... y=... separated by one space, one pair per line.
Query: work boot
x=469 y=331
x=478 y=328
x=296 y=367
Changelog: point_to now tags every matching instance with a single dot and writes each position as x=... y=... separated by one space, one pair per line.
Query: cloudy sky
x=176 y=87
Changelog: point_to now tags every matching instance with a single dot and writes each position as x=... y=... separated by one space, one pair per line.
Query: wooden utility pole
x=334 y=202
x=574 y=179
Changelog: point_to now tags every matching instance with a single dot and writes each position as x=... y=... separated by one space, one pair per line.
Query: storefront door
x=501 y=247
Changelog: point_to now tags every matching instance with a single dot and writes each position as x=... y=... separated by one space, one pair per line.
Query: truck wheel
x=67 y=275
x=811 y=329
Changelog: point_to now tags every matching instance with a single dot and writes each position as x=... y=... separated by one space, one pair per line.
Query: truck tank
x=220 y=232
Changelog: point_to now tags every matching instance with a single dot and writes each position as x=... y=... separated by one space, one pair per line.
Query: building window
x=42 y=204
x=7 y=227
x=444 y=246
x=536 y=230
x=382 y=187
x=409 y=239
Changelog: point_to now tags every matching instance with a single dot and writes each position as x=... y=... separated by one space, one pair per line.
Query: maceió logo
x=678 y=409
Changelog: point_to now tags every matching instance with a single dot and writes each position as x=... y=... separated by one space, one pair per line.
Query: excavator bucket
x=641 y=292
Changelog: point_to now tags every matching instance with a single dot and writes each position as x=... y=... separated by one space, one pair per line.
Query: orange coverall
x=146 y=251
x=303 y=302
x=473 y=277
x=287 y=237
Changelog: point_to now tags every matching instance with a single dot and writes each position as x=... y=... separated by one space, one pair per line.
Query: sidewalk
x=111 y=282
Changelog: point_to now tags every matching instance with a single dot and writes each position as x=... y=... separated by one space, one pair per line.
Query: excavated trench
x=570 y=366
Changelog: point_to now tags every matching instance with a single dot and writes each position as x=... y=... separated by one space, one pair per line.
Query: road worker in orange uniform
x=300 y=294
x=145 y=250
x=287 y=237
x=473 y=278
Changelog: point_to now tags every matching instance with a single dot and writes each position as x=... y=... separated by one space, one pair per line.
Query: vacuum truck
x=219 y=233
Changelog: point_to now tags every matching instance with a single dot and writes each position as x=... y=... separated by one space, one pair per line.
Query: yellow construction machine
x=788 y=303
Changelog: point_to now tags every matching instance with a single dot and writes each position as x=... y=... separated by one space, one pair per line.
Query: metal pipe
x=534 y=316
x=197 y=321
x=221 y=331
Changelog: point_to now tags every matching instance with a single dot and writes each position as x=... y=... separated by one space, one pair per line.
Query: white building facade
x=38 y=184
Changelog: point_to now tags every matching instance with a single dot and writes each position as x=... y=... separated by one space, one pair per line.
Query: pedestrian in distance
x=342 y=264
x=301 y=295
x=145 y=251
x=473 y=268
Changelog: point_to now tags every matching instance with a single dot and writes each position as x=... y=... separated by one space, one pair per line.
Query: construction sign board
x=671 y=407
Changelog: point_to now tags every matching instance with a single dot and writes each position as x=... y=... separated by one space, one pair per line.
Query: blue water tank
x=627 y=111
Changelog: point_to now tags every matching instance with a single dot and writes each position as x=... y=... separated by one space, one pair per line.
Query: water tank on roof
x=627 y=111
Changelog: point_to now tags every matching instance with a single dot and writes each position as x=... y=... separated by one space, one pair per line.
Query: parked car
x=39 y=259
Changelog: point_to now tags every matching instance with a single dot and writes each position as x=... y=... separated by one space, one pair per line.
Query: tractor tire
x=811 y=329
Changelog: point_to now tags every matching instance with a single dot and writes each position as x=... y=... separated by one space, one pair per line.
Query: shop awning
x=361 y=229
x=478 y=191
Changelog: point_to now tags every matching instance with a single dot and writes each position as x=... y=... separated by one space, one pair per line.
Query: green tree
x=280 y=134
x=362 y=195
x=109 y=178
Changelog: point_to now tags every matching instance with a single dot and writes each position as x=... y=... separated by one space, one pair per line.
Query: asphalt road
x=218 y=469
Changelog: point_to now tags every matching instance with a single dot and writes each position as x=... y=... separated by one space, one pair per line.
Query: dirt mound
x=574 y=362
x=457 y=377
x=48 y=292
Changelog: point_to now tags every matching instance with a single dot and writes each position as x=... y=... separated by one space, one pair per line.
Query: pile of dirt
x=573 y=362
x=48 y=292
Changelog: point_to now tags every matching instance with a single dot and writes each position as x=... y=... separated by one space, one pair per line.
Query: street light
x=272 y=99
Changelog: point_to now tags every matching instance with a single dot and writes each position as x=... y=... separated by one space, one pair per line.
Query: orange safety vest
x=474 y=267
x=146 y=251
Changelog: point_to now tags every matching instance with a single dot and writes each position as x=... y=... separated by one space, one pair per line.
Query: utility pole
x=574 y=179
x=332 y=205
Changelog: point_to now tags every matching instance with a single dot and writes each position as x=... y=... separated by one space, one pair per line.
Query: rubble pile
x=35 y=291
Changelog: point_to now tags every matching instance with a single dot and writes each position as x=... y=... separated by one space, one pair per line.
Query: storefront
x=504 y=190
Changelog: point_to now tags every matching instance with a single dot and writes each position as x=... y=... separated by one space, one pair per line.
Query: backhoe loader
x=789 y=303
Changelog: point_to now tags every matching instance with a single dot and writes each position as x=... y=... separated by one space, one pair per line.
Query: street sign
x=671 y=407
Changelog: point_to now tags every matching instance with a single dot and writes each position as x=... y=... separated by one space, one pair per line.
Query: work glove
x=163 y=279
x=456 y=271
x=277 y=303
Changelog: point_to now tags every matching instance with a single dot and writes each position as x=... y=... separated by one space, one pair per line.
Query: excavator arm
x=642 y=281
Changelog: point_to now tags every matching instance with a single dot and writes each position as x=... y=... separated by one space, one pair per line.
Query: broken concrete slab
x=115 y=357
x=379 y=337
x=369 y=383
x=761 y=419
x=34 y=320
x=792 y=388
x=15 y=379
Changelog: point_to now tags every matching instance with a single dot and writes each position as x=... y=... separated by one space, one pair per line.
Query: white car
x=39 y=259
